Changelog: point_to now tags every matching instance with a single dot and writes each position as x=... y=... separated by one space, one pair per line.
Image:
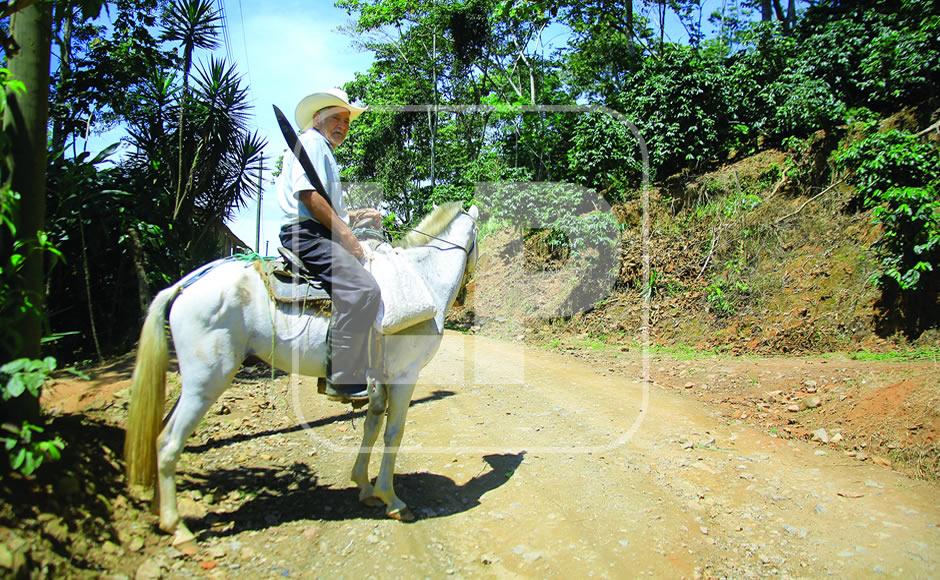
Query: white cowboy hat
x=309 y=105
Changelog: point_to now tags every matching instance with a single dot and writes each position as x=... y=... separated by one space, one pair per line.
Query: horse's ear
x=474 y=212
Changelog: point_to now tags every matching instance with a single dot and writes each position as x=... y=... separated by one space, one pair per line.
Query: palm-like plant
x=194 y=24
x=222 y=172
x=152 y=118
x=228 y=156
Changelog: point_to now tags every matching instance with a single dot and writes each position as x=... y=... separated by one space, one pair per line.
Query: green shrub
x=25 y=378
x=604 y=153
x=717 y=299
x=534 y=205
x=802 y=104
x=898 y=176
x=25 y=453
x=766 y=53
x=682 y=106
x=877 y=56
x=580 y=233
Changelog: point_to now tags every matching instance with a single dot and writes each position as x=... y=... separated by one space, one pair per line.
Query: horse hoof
x=184 y=540
x=372 y=501
x=403 y=515
x=189 y=548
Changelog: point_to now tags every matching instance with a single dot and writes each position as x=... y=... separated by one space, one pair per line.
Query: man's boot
x=346 y=366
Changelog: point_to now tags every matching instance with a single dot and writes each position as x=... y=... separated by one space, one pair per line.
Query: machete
x=294 y=144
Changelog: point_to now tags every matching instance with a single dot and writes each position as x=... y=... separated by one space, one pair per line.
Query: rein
x=465 y=250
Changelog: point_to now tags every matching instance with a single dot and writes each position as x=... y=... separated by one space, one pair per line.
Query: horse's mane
x=432 y=225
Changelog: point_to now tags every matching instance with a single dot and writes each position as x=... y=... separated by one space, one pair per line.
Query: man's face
x=333 y=123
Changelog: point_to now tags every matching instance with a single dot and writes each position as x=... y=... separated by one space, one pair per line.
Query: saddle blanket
x=406 y=298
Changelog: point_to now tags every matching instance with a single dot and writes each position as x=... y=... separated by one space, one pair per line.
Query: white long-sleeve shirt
x=293 y=180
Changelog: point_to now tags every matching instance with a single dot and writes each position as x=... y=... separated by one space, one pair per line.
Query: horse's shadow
x=349 y=415
x=282 y=495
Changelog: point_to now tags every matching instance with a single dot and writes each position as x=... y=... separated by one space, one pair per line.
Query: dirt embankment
x=741 y=260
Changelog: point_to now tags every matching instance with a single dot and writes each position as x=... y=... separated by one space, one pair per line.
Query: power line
x=241 y=16
x=225 y=37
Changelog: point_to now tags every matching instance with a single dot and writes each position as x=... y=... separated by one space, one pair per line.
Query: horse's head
x=448 y=227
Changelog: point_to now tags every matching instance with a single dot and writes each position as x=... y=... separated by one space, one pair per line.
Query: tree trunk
x=143 y=290
x=766 y=12
x=778 y=8
x=87 y=275
x=791 y=13
x=432 y=116
x=187 y=64
x=629 y=6
x=662 y=25
x=63 y=17
x=25 y=123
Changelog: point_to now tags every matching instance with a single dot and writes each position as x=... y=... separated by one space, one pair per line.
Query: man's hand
x=367 y=214
x=355 y=248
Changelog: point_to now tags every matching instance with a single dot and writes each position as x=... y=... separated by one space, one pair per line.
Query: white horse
x=227 y=314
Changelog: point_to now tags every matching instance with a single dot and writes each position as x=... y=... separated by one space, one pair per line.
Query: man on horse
x=318 y=232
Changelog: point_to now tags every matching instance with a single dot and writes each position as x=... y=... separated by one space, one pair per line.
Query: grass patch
x=922 y=461
x=923 y=353
x=680 y=351
x=491 y=226
x=594 y=343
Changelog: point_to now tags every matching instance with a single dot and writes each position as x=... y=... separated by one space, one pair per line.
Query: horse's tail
x=148 y=392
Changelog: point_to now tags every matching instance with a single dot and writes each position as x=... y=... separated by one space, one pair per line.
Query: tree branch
x=15 y=7
x=807 y=202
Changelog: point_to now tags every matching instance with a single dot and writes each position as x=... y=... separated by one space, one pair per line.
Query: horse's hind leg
x=197 y=396
x=378 y=402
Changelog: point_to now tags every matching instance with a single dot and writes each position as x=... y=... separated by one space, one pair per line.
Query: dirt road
x=513 y=466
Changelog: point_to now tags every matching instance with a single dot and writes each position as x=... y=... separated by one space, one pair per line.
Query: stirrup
x=293 y=261
x=324 y=388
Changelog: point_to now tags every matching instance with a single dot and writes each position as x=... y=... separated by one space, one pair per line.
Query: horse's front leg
x=378 y=402
x=399 y=397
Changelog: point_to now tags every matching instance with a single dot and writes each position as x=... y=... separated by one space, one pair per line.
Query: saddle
x=290 y=282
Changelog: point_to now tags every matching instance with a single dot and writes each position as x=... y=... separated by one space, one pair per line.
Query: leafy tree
x=101 y=67
x=604 y=154
x=873 y=53
x=681 y=108
x=119 y=210
x=424 y=63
